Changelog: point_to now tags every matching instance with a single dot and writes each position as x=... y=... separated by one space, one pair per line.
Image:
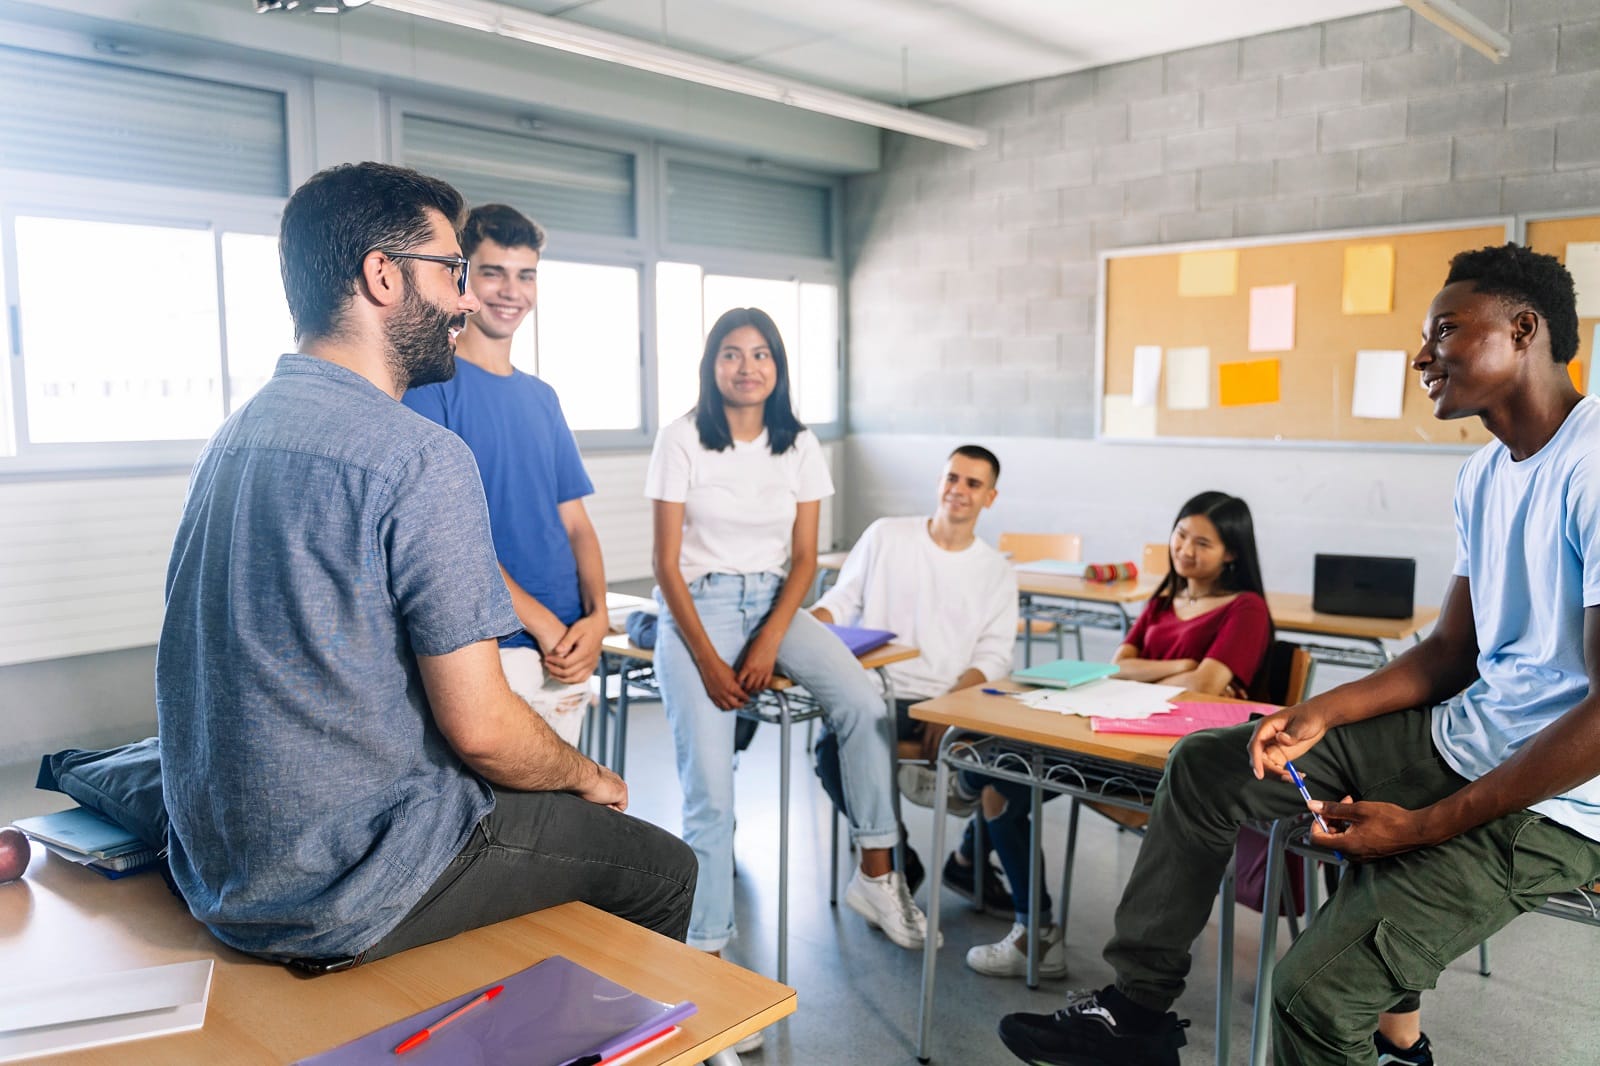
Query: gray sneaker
x=918 y=784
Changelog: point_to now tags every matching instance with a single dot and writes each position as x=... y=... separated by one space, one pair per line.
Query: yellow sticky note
x=1369 y=279
x=1208 y=273
x=1575 y=372
x=1255 y=381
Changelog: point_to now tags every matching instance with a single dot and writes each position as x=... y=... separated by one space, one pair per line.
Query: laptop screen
x=1375 y=586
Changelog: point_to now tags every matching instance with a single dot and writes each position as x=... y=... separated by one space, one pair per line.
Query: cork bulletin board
x=1307 y=305
x=1552 y=236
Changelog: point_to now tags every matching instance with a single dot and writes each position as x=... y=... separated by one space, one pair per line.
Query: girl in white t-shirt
x=738 y=485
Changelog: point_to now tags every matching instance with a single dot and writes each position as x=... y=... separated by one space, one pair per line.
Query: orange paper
x=1575 y=372
x=1255 y=381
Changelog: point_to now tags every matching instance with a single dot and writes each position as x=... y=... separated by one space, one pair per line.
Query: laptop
x=1375 y=586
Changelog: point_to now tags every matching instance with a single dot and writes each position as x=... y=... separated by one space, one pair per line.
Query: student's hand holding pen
x=1370 y=830
x=1283 y=736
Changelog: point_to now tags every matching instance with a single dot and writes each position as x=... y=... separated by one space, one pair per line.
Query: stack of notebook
x=79 y=835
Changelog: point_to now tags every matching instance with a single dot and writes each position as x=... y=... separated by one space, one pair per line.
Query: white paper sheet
x=1146 y=374
x=105 y=1008
x=1380 y=384
x=1583 y=263
x=1188 y=379
x=1123 y=419
x=1106 y=698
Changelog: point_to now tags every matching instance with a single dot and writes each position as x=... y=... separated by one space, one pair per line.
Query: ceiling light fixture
x=566 y=36
x=1464 y=26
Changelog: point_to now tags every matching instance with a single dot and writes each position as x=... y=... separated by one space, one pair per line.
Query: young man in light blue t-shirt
x=532 y=476
x=1460 y=780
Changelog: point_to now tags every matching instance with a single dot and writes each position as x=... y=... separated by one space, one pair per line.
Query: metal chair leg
x=833 y=867
x=1483 y=958
x=930 y=951
x=1066 y=865
x=1225 y=920
x=1268 y=961
x=784 y=725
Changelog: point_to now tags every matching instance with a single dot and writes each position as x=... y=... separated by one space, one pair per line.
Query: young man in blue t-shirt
x=532 y=476
x=1462 y=780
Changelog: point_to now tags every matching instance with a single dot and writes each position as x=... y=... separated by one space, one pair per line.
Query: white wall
x=1118 y=497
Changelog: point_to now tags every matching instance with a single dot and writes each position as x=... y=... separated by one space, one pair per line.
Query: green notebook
x=1063 y=673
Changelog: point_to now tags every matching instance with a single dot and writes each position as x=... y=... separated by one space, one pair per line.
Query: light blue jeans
x=731 y=608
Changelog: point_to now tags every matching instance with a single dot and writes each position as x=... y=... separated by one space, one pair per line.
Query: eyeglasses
x=454 y=262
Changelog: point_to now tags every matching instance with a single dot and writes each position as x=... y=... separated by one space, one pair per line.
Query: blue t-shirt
x=1528 y=541
x=530 y=466
x=329 y=537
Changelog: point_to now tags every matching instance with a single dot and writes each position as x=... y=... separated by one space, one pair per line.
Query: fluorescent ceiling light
x=1464 y=26
x=563 y=35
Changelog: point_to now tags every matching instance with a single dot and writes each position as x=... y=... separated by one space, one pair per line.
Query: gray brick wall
x=973 y=274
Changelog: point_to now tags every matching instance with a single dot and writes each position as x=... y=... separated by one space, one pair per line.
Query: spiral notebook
x=552 y=1014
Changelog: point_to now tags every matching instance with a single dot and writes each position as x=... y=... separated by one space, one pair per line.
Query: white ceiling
x=909 y=51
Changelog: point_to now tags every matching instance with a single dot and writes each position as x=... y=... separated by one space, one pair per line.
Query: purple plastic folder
x=858 y=640
x=550 y=1014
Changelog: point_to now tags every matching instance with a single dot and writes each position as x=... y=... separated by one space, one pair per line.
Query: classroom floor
x=858 y=993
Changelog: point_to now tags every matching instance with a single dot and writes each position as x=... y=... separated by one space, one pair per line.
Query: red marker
x=417 y=1038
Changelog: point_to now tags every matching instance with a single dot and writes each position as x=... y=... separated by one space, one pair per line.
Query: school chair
x=1029 y=548
x=1288 y=835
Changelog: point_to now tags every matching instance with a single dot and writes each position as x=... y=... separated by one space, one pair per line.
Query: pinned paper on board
x=1575 y=372
x=1188 y=379
x=1380 y=390
x=1369 y=279
x=1592 y=377
x=1146 y=374
x=1208 y=273
x=1123 y=419
x=1583 y=263
x=1250 y=382
x=1272 y=318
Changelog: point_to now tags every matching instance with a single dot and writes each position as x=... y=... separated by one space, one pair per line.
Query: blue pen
x=996 y=692
x=1299 y=782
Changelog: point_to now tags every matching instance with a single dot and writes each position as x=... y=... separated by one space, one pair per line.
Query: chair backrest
x=1154 y=562
x=1031 y=547
x=1283 y=674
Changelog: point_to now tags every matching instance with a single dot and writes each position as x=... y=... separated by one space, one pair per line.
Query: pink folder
x=1183 y=719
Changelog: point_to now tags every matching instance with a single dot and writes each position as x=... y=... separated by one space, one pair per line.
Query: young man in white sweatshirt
x=938 y=588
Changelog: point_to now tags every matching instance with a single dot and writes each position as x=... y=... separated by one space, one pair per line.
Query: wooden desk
x=997 y=735
x=1292 y=613
x=62 y=922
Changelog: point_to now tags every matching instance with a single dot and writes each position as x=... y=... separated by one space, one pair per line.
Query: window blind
x=561 y=186
x=96 y=119
x=727 y=209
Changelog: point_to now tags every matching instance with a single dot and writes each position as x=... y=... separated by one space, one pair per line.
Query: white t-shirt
x=958 y=609
x=739 y=503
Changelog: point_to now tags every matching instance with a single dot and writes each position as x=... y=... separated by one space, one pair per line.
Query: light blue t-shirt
x=329 y=537
x=530 y=467
x=1528 y=541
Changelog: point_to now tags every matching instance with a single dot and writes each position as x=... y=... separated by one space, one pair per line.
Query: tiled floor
x=858 y=993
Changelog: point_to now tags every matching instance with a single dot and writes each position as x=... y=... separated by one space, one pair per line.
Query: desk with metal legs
x=1292 y=614
x=1002 y=738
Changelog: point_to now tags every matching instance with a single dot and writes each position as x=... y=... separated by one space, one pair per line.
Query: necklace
x=1190 y=597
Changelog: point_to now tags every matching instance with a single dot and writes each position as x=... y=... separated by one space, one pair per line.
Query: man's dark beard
x=418 y=339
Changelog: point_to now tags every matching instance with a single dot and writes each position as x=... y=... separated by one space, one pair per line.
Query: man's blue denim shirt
x=329 y=537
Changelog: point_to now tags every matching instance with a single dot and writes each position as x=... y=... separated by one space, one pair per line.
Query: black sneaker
x=958 y=879
x=1086 y=1034
x=915 y=874
x=1418 y=1054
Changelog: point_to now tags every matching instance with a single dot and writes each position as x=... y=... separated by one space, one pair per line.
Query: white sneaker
x=752 y=1042
x=919 y=785
x=885 y=904
x=1005 y=960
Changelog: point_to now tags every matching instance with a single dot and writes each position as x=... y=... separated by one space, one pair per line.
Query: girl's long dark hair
x=709 y=416
x=1231 y=516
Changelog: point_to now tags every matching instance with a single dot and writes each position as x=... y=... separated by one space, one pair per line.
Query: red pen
x=416 y=1038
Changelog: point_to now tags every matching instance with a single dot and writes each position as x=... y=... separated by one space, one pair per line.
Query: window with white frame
x=138 y=217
